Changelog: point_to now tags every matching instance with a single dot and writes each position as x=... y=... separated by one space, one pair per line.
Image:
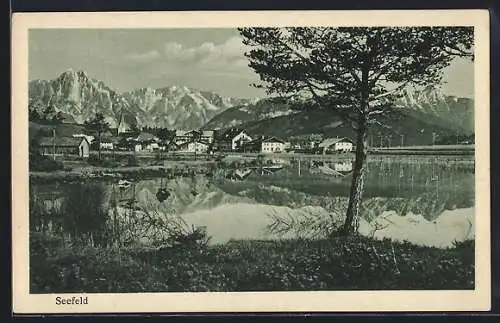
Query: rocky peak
x=430 y=95
x=76 y=94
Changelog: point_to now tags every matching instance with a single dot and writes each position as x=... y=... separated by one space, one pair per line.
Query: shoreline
x=111 y=173
x=184 y=168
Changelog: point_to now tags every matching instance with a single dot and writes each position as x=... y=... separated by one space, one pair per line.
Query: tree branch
x=457 y=51
x=399 y=87
x=355 y=76
x=384 y=69
x=320 y=101
x=311 y=63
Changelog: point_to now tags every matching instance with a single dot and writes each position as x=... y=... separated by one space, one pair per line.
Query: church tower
x=122 y=125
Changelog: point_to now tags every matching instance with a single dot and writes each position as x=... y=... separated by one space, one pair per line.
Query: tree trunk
x=99 y=146
x=355 y=196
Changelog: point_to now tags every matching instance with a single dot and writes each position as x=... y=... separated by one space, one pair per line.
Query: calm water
x=404 y=198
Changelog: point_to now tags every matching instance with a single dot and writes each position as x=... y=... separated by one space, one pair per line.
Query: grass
x=358 y=263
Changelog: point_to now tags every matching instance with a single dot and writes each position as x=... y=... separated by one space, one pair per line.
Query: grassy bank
x=358 y=263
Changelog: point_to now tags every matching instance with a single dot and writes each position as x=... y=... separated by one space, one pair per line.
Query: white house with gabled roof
x=336 y=144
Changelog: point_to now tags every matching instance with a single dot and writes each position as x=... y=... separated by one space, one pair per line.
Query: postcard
x=257 y=161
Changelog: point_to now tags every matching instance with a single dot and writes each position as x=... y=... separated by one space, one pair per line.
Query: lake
x=425 y=200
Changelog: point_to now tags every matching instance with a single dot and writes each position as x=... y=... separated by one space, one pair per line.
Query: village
x=195 y=142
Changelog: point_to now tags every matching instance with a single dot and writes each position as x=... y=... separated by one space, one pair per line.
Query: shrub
x=84 y=213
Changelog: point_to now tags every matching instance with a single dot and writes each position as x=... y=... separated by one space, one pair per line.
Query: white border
x=476 y=300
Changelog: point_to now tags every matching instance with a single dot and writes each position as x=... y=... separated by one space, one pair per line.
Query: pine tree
x=354 y=72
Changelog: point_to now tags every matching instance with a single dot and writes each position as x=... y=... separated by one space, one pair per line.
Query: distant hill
x=423 y=114
x=414 y=131
x=261 y=110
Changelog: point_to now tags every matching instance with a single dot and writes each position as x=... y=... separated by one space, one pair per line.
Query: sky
x=203 y=59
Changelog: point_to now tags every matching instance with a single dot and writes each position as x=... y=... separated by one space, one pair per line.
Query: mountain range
x=78 y=97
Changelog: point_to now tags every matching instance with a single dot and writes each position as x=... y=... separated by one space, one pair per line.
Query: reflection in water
x=162 y=194
x=425 y=201
x=334 y=169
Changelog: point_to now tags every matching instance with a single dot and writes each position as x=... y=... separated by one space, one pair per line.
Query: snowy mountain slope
x=80 y=97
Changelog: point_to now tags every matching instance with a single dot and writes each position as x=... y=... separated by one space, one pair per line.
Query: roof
x=81 y=135
x=229 y=133
x=332 y=141
x=191 y=141
x=208 y=133
x=110 y=139
x=266 y=139
x=61 y=141
x=273 y=139
x=145 y=136
x=193 y=133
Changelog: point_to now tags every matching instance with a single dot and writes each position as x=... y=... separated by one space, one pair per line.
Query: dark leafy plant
x=84 y=213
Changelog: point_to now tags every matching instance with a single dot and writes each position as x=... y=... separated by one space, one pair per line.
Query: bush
x=42 y=163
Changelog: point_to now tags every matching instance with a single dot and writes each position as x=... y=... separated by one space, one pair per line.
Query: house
x=232 y=139
x=336 y=145
x=273 y=145
x=199 y=147
x=265 y=145
x=152 y=146
x=182 y=136
x=146 y=141
x=207 y=136
x=146 y=137
x=108 y=142
x=89 y=138
x=61 y=146
x=193 y=141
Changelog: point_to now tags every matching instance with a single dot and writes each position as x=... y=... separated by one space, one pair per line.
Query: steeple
x=122 y=126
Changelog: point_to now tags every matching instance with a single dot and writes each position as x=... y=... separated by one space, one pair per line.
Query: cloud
x=207 y=56
x=206 y=63
x=143 y=57
x=226 y=55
